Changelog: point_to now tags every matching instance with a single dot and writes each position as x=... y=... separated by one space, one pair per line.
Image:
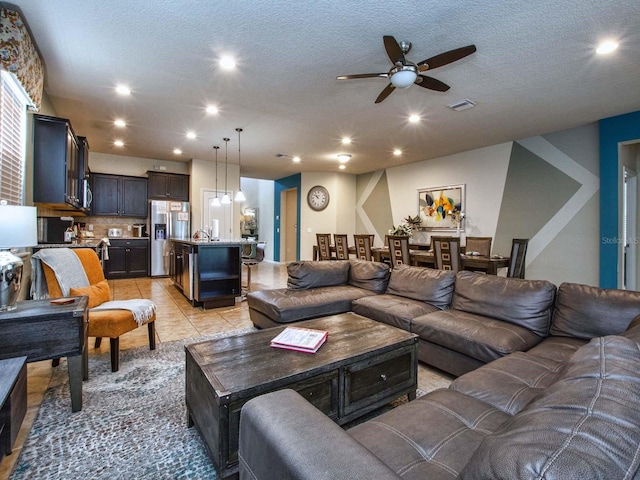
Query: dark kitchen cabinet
x=119 y=196
x=168 y=186
x=128 y=258
x=56 y=176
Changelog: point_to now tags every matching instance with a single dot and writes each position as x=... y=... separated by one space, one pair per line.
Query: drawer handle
x=311 y=394
x=383 y=377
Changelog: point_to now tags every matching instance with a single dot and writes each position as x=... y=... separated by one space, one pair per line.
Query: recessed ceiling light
x=227 y=62
x=414 y=118
x=342 y=167
x=397 y=152
x=120 y=123
x=119 y=143
x=346 y=141
x=123 y=90
x=212 y=110
x=607 y=46
x=191 y=135
x=177 y=151
x=296 y=159
x=343 y=157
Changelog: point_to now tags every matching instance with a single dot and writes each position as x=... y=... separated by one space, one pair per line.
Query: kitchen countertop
x=84 y=243
x=213 y=243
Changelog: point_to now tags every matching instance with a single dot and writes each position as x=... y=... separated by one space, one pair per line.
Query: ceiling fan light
x=403 y=78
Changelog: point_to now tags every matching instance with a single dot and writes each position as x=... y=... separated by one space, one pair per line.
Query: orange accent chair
x=102 y=323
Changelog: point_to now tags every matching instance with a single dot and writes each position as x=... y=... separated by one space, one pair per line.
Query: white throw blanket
x=65 y=265
x=141 y=308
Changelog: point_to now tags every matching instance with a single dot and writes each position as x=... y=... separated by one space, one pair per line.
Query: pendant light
x=226 y=200
x=239 y=195
x=216 y=201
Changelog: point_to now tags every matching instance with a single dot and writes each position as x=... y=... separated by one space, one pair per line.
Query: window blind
x=13 y=112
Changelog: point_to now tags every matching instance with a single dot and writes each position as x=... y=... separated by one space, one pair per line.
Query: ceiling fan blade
x=446 y=58
x=393 y=50
x=431 y=83
x=361 y=75
x=385 y=93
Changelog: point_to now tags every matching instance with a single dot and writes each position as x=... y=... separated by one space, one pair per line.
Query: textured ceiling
x=534 y=72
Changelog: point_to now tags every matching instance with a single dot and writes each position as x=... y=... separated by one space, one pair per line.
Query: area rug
x=133 y=423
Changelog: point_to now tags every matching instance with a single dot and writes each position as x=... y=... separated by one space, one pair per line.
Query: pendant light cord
x=226 y=151
x=216 y=149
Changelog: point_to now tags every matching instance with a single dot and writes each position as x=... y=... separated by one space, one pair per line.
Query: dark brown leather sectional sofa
x=558 y=399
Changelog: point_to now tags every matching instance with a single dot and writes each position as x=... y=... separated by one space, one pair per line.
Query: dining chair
x=399 y=250
x=518 y=254
x=324 y=246
x=446 y=251
x=363 y=247
x=342 y=246
x=482 y=245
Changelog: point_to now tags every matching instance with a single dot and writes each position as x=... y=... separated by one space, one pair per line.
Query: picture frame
x=442 y=208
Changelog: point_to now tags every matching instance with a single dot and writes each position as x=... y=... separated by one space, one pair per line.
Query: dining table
x=421 y=257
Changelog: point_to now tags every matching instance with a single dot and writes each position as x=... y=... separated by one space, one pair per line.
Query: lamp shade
x=403 y=78
x=19 y=226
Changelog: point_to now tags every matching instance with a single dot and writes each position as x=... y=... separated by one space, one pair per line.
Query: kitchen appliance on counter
x=168 y=220
x=139 y=230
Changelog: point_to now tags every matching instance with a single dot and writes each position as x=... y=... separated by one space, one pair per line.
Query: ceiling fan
x=405 y=73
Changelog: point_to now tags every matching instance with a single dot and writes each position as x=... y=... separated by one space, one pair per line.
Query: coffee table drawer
x=370 y=381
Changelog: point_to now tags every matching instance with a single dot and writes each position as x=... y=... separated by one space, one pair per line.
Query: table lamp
x=18 y=228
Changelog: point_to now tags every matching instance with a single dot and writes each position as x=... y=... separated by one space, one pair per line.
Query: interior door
x=630 y=229
x=289 y=225
x=220 y=218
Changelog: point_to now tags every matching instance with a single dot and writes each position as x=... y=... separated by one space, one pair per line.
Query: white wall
x=338 y=217
x=483 y=171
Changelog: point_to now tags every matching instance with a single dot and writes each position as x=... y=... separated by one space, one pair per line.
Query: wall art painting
x=442 y=208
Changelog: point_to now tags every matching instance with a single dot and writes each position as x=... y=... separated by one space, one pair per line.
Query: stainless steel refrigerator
x=169 y=220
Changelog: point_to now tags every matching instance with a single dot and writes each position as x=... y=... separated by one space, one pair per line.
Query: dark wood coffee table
x=363 y=365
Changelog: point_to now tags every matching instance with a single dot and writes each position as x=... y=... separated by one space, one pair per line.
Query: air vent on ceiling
x=281 y=155
x=461 y=105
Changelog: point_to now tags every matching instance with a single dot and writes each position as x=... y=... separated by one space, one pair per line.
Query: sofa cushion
x=511 y=382
x=477 y=336
x=424 y=284
x=391 y=309
x=557 y=348
x=285 y=305
x=585 y=425
x=304 y=275
x=528 y=303
x=633 y=330
x=583 y=311
x=373 y=276
x=432 y=437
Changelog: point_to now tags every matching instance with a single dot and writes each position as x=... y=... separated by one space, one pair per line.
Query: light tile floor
x=175 y=319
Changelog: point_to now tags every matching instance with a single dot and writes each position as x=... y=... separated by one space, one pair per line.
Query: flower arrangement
x=406 y=228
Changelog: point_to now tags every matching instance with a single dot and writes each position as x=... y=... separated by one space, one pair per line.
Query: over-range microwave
x=87 y=196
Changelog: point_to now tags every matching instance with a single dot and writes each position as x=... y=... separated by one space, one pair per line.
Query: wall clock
x=318 y=198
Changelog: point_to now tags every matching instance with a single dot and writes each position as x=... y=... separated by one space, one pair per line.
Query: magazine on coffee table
x=306 y=340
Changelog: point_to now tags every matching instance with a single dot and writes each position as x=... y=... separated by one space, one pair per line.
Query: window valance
x=18 y=55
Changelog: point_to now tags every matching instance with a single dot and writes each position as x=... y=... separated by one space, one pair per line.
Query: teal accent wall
x=613 y=130
x=286 y=183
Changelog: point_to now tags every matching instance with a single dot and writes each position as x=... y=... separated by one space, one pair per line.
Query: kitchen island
x=208 y=273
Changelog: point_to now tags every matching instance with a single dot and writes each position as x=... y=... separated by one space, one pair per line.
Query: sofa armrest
x=282 y=436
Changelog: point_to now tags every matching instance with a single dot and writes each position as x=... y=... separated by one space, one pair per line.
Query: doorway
x=289 y=225
x=629 y=229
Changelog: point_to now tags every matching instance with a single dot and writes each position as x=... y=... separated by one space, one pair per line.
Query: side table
x=13 y=401
x=40 y=330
